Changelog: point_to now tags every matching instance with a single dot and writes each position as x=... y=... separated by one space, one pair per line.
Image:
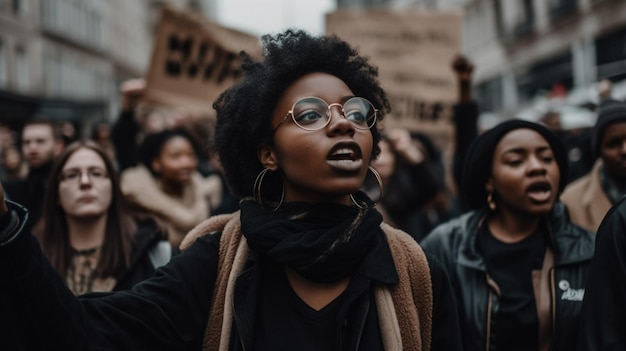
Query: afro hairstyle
x=244 y=110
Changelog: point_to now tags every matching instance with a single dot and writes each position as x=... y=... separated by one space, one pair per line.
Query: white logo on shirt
x=570 y=294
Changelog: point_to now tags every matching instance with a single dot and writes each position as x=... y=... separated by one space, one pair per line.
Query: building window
x=525 y=19
x=499 y=20
x=20 y=7
x=3 y=66
x=489 y=94
x=21 y=69
x=514 y=18
x=362 y=3
x=543 y=76
x=562 y=8
x=611 y=55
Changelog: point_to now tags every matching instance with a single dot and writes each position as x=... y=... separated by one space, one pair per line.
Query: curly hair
x=244 y=110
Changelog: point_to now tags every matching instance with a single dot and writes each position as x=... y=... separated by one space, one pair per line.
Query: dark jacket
x=465 y=121
x=166 y=312
x=30 y=191
x=603 y=315
x=124 y=135
x=145 y=246
x=17 y=331
x=454 y=244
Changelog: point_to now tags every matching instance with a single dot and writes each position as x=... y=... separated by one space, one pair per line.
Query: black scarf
x=322 y=242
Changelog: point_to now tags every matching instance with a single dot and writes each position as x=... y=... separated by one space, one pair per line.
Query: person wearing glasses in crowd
x=86 y=230
x=305 y=264
x=517 y=263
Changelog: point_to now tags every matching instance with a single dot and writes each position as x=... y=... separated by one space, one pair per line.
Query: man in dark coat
x=40 y=145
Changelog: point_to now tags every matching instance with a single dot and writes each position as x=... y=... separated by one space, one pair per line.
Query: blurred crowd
x=154 y=175
x=168 y=171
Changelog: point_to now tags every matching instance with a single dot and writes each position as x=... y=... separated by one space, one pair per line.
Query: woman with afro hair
x=305 y=264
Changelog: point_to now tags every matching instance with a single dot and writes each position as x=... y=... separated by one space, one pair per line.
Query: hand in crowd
x=463 y=68
x=132 y=90
x=405 y=146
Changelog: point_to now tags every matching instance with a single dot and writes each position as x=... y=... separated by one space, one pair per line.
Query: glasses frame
x=328 y=113
x=64 y=179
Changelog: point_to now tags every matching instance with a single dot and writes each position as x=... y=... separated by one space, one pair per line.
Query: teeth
x=343 y=152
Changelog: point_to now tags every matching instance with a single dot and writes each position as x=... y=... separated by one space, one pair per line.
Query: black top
x=516 y=326
x=284 y=319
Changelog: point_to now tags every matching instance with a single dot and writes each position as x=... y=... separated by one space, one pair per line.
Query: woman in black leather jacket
x=517 y=264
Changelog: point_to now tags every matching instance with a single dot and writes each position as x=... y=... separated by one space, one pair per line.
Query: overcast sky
x=259 y=17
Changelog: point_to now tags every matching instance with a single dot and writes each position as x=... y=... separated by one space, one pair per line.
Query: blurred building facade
x=525 y=50
x=65 y=59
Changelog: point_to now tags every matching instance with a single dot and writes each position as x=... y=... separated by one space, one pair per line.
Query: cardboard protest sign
x=194 y=60
x=413 y=52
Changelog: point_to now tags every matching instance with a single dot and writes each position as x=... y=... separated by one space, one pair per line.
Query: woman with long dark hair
x=87 y=232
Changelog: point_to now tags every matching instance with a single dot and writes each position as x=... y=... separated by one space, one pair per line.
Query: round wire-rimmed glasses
x=312 y=113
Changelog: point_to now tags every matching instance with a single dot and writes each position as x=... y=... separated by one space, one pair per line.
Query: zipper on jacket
x=553 y=307
x=493 y=287
x=488 y=320
x=243 y=346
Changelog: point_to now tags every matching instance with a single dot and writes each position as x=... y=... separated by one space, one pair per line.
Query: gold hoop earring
x=257 y=191
x=367 y=189
x=490 y=202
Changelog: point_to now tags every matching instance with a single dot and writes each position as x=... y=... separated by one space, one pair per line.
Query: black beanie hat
x=611 y=111
x=477 y=167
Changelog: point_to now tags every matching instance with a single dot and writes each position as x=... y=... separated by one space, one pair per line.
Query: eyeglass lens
x=76 y=174
x=313 y=113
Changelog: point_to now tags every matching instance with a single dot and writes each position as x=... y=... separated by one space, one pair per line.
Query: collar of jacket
x=569 y=242
x=410 y=327
x=145 y=237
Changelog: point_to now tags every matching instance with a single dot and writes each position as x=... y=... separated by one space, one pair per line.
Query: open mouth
x=539 y=192
x=343 y=154
x=345 y=157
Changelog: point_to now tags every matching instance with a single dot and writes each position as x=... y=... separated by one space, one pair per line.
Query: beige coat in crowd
x=586 y=201
x=179 y=214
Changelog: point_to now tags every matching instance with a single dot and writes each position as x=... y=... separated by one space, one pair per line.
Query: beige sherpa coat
x=404 y=310
x=586 y=201
x=180 y=214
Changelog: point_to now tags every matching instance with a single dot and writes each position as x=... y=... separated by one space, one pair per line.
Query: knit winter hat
x=477 y=167
x=611 y=111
